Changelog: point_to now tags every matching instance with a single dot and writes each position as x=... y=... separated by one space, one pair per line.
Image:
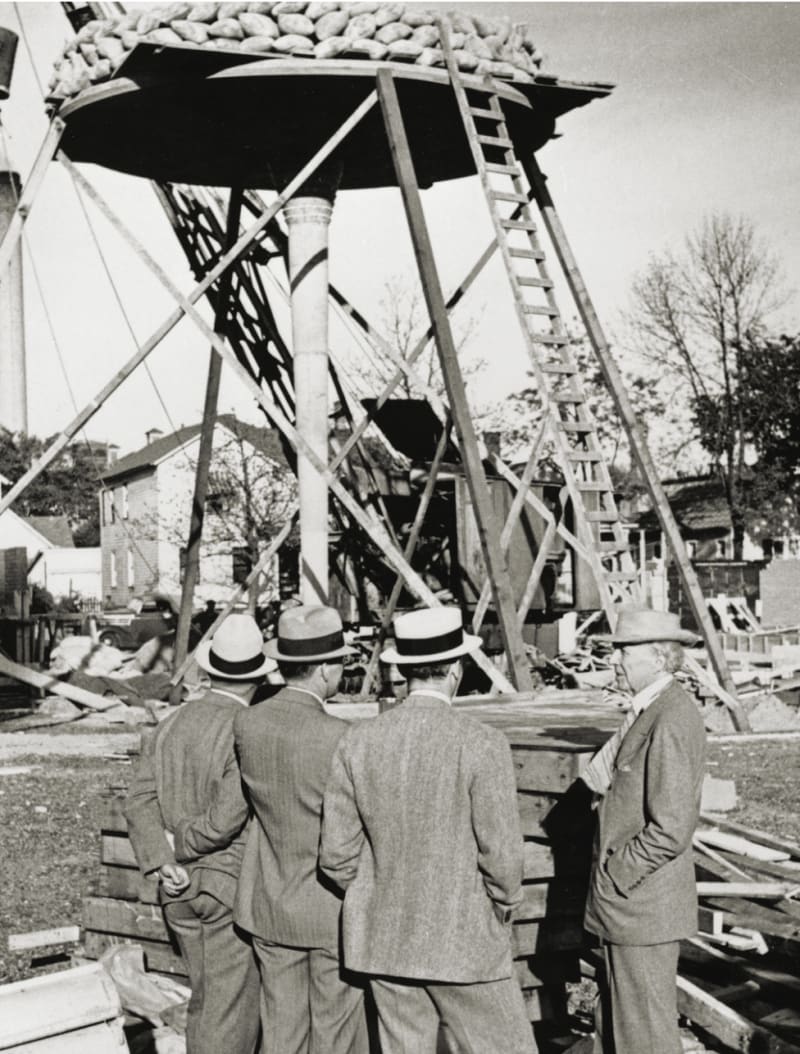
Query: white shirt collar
x=307 y=691
x=230 y=695
x=648 y=695
x=431 y=692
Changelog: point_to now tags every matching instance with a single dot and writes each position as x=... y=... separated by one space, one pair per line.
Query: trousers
x=223 y=975
x=307 y=1006
x=480 y=1018
x=638 y=1004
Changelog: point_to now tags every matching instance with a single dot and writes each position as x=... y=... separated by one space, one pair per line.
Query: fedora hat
x=429 y=635
x=641 y=625
x=309 y=633
x=236 y=651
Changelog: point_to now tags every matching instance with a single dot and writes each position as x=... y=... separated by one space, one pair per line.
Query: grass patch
x=767 y=776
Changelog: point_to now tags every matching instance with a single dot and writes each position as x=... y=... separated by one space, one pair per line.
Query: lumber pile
x=394 y=32
x=548 y=928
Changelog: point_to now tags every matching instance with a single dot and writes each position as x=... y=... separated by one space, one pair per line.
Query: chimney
x=152 y=435
x=112 y=453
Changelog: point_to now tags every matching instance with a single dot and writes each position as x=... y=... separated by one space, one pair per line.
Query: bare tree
x=694 y=314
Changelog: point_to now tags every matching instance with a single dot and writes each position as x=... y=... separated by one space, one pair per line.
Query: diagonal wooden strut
x=448 y=357
x=372 y=527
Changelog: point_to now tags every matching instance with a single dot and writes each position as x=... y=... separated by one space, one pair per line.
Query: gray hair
x=671 y=652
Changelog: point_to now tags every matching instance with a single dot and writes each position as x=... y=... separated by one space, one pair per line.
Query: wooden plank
x=79 y=696
x=752 y=835
x=22 y=942
x=158 y=956
x=554 y=899
x=113 y=818
x=123 y=883
x=753 y=890
x=124 y=918
x=710 y=921
x=549 y=935
x=117 y=850
x=54 y=1003
x=542 y=860
x=725 y=1024
x=533 y=811
x=108 y=1037
x=488 y=530
x=545 y=770
x=754 y=916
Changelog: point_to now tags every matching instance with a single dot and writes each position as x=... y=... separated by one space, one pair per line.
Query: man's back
x=435 y=793
x=285 y=746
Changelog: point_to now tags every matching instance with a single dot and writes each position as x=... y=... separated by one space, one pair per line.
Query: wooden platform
x=552 y=733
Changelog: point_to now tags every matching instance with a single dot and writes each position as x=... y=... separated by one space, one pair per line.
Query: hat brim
x=683 y=636
x=272 y=649
x=393 y=656
x=203 y=660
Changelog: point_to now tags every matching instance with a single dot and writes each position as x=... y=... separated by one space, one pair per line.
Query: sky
x=704 y=117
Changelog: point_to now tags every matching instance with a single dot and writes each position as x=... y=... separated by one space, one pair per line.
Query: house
x=145 y=509
x=51 y=559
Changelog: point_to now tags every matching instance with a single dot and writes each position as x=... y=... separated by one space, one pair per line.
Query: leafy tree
x=695 y=314
x=68 y=487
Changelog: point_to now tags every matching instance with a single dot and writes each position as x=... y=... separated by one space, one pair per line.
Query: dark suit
x=187 y=766
x=285 y=746
x=421 y=828
x=643 y=898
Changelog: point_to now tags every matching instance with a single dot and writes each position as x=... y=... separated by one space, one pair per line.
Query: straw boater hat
x=641 y=625
x=430 y=635
x=309 y=633
x=236 y=651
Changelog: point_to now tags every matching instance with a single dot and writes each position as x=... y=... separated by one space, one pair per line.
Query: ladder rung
x=559 y=340
x=592 y=487
x=610 y=548
x=496 y=140
x=497 y=168
x=578 y=426
x=541 y=309
x=604 y=516
x=526 y=254
x=488 y=115
x=509 y=195
x=622 y=576
x=540 y=283
x=562 y=368
x=520 y=225
x=568 y=397
x=585 y=455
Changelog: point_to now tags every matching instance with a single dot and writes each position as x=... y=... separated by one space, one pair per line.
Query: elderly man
x=643 y=899
x=420 y=827
x=188 y=767
x=285 y=746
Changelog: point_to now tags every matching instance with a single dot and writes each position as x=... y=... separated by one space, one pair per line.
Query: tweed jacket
x=421 y=828
x=187 y=765
x=643 y=888
x=285 y=746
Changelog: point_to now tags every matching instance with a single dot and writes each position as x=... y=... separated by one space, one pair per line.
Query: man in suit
x=421 y=829
x=285 y=745
x=188 y=766
x=642 y=898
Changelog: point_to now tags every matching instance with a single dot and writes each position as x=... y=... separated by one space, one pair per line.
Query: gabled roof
x=263 y=439
x=697 y=503
x=55 y=529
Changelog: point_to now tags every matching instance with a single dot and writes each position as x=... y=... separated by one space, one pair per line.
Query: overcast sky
x=704 y=117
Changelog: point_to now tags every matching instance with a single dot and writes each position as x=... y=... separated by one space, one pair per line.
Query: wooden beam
x=89 y=700
x=725 y=1024
x=633 y=429
x=197 y=513
x=448 y=357
x=25 y=942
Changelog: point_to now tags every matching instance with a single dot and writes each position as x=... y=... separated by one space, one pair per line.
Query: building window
x=131 y=575
x=691 y=548
x=108 y=507
x=124 y=500
x=242 y=564
x=722 y=548
x=113 y=575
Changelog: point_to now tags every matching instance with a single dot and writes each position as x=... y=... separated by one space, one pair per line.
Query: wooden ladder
x=571 y=425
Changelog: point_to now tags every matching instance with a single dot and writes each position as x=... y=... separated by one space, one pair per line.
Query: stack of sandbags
x=393 y=32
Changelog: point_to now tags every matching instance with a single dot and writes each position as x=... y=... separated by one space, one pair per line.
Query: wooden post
x=476 y=480
x=192 y=569
x=616 y=387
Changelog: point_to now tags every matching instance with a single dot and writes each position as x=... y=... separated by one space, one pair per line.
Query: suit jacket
x=421 y=828
x=285 y=746
x=643 y=886
x=188 y=766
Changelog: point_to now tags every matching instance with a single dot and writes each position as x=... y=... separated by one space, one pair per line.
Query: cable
x=26 y=42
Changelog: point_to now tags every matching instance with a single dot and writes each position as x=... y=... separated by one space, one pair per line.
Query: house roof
x=698 y=504
x=263 y=439
x=55 y=529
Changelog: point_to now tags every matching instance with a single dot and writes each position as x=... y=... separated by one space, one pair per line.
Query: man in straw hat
x=188 y=767
x=285 y=745
x=421 y=829
x=643 y=899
